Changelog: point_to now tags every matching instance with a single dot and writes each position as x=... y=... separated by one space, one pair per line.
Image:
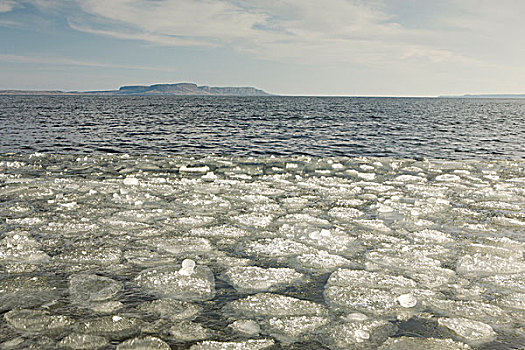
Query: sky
x=290 y=47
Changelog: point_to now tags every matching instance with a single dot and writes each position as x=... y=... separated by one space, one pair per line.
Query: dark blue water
x=281 y=126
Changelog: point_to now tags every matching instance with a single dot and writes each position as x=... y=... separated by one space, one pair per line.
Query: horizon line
x=13 y=92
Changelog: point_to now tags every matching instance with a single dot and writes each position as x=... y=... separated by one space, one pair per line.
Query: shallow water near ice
x=216 y=252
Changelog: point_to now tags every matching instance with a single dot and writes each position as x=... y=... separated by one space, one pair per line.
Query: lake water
x=261 y=223
x=281 y=126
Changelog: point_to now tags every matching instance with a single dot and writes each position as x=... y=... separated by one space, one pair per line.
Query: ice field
x=142 y=252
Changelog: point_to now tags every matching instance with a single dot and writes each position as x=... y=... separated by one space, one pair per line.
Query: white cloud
x=363 y=33
x=8 y=23
x=72 y=62
x=286 y=29
x=7 y=5
x=307 y=31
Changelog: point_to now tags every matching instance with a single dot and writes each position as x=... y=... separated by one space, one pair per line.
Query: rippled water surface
x=322 y=126
x=412 y=240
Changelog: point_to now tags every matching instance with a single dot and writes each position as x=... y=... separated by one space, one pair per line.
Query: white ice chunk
x=210 y=176
x=496 y=205
x=377 y=225
x=273 y=305
x=252 y=344
x=89 y=252
x=354 y=316
x=410 y=178
x=174 y=310
x=350 y=278
x=358 y=334
x=382 y=208
x=83 y=342
x=194 y=169
x=428 y=235
x=189 y=331
x=36 y=321
x=112 y=326
x=485 y=264
x=289 y=329
x=472 y=332
x=219 y=232
x=416 y=343
x=278 y=248
x=335 y=241
x=85 y=288
x=253 y=279
x=344 y=214
x=254 y=220
x=407 y=300
x=448 y=178
x=367 y=176
x=168 y=282
x=144 y=343
x=509 y=222
x=188 y=267
x=131 y=181
x=183 y=245
x=471 y=309
x=367 y=292
x=248 y=327
x=18 y=247
x=514 y=301
x=27 y=291
x=12 y=344
x=108 y=307
x=321 y=261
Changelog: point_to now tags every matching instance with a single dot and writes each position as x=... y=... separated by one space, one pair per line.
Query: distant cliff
x=188 y=89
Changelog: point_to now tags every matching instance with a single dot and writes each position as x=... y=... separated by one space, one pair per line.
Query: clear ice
x=143 y=252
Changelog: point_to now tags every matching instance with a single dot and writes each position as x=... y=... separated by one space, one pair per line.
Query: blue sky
x=300 y=47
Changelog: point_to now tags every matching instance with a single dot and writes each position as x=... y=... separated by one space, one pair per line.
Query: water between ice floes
x=144 y=252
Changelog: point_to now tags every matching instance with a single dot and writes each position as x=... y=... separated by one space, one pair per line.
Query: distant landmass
x=187 y=89
x=487 y=96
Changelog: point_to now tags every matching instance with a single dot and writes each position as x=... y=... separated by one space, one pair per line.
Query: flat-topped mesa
x=133 y=89
x=241 y=91
x=189 y=89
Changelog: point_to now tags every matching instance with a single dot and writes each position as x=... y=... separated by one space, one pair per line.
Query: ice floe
x=82 y=341
x=252 y=344
x=472 y=332
x=113 y=327
x=142 y=343
x=291 y=329
x=189 y=331
x=253 y=279
x=273 y=305
x=131 y=252
x=248 y=327
x=169 y=282
x=36 y=321
x=367 y=334
x=412 y=343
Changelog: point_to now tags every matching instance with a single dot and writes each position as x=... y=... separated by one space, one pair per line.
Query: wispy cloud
x=307 y=31
x=7 y=5
x=60 y=61
x=160 y=39
x=9 y=23
x=437 y=56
